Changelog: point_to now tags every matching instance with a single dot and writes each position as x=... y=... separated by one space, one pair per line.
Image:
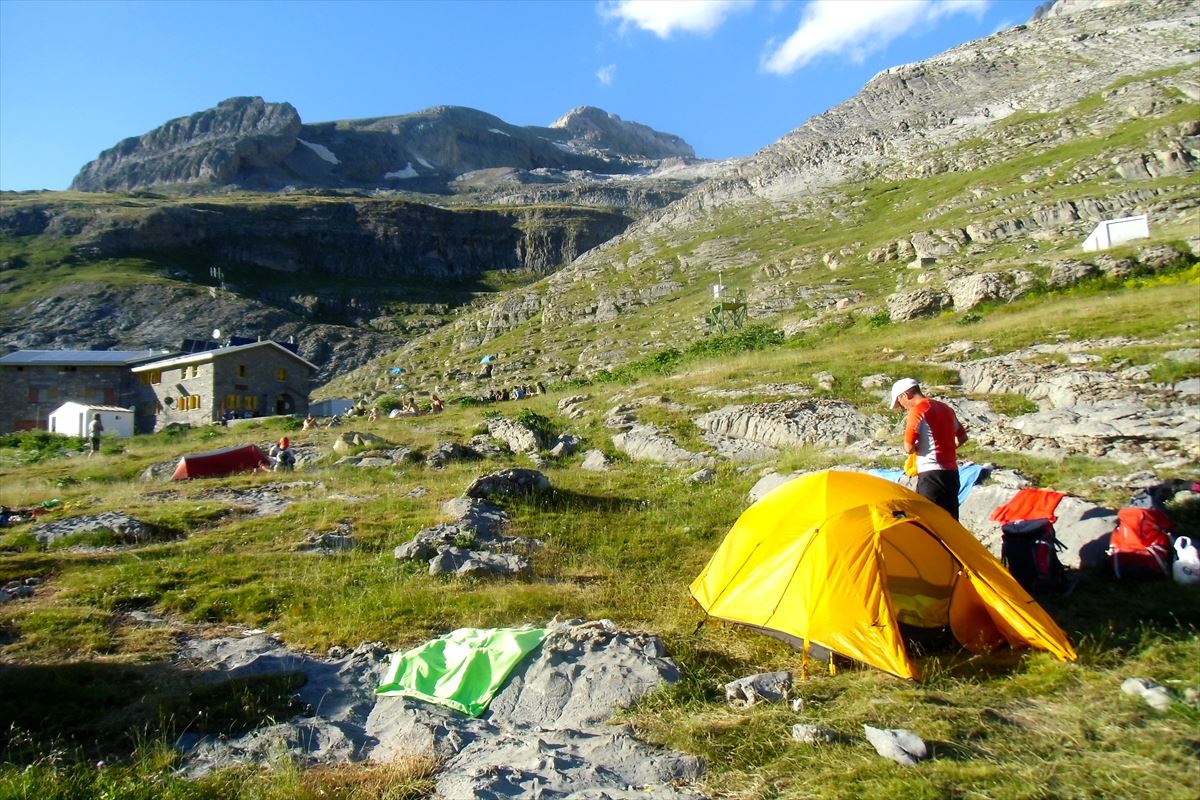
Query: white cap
x=900 y=387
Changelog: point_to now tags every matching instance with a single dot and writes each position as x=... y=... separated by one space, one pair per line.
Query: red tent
x=240 y=458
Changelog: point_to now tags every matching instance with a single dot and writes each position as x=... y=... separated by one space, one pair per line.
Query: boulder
x=450 y=451
x=519 y=437
x=483 y=518
x=564 y=445
x=971 y=291
x=514 y=481
x=904 y=306
x=595 y=461
x=1070 y=272
x=478 y=563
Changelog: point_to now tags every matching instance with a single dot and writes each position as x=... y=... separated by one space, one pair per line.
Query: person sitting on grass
x=282 y=457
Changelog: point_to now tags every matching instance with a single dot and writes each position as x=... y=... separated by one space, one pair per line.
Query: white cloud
x=664 y=17
x=856 y=29
x=605 y=74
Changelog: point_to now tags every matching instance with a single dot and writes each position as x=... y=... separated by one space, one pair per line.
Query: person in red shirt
x=933 y=432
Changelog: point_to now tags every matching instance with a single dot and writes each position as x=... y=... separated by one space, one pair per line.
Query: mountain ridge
x=248 y=143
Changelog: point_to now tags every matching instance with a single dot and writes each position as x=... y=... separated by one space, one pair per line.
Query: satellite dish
x=216 y=333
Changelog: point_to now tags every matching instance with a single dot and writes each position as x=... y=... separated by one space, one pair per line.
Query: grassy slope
x=622 y=545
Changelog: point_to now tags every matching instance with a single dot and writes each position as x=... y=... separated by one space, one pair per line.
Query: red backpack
x=1141 y=544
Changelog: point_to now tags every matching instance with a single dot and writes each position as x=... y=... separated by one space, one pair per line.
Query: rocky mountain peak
x=212 y=146
x=604 y=131
x=1058 y=8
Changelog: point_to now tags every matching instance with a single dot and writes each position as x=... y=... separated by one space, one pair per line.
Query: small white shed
x=327 y=408
x=1113 y=232
x=72 y=419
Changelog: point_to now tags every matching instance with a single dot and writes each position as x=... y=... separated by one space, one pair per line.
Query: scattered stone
x=900 y=745
x=564 y=445
x=416 y=492
x=375 y=463
x=446 y=452
x=808 y=733
x=340 y=540
x=824 y=380
x=159 y=471
x=595 y=461
x=572 y=407
x=17 y=589
x=702 y=476
x=620 y=418
x=765 y=687
x=350 y=441
x=479 y=563
x=1155 y=695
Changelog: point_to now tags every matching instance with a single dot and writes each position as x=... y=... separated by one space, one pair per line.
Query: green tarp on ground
x=463 y=669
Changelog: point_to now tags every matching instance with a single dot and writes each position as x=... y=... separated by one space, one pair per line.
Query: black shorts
x=940 y=486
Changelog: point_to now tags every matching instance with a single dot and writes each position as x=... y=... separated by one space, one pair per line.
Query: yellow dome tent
x=840 y=559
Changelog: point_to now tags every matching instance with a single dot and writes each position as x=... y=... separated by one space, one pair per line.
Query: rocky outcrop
x=790 y=423
x=647 y=443
x=212 y=148
x=910 y=110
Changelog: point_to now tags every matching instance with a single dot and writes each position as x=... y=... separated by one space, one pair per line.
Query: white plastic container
x=1187 y=562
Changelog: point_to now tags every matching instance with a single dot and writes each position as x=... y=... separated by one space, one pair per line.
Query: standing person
x=95 y=427
x=933 y=432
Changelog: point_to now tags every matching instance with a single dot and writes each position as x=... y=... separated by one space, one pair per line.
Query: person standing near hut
x=95 y=428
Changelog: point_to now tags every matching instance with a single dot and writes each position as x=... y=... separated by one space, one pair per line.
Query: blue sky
x=730 y=77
